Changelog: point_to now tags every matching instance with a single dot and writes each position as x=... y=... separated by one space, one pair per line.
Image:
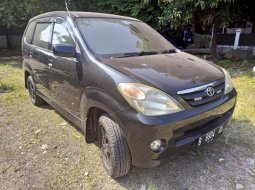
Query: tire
x=34 y=98
x=115 y=152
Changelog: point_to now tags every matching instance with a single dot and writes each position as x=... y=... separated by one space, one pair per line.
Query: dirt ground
x=39 y=149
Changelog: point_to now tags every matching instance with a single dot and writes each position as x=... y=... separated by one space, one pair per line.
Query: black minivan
x=125 y=86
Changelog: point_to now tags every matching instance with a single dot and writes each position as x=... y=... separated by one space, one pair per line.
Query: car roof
x=76 y=14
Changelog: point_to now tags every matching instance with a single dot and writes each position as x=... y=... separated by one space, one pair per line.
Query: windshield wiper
x=133 y=54
x=169 y=51
x=141 y=53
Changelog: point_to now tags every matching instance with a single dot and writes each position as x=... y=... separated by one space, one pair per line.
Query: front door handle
x=50 y=65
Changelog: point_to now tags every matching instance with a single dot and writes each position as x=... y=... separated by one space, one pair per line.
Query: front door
x=64 y=74
x=39 y=54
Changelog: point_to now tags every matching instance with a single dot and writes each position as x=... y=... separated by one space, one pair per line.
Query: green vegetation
x=183 y=12
x=244 y=82
x=158 y=13
x=12 y=88
x=245 y=85
x=247 y=65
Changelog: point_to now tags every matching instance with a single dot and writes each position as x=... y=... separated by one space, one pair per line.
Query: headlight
x=228 y=82
x=148 y=100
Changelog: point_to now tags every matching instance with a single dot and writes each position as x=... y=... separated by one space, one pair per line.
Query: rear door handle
x=50 y=65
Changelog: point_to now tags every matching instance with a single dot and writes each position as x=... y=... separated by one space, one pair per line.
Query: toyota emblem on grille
x=210 y=91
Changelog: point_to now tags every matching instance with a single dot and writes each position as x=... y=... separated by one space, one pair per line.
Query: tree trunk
x=9 y=45
x=214 y=41
x=193 y=22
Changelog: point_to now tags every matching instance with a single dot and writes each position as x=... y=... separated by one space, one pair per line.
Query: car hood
x=168 y=72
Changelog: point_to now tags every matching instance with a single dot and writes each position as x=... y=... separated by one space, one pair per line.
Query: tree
x=8 y=18
x=181 y=12
x=241 y=10
x=146 y=12
x=157 y=13
x=16 y=13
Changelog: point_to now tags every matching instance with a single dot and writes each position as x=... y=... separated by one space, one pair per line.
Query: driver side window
x=61 y=36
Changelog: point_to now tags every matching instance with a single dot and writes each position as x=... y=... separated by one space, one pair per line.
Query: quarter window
x=29 y=32
x=42 y=35
x=61 y=35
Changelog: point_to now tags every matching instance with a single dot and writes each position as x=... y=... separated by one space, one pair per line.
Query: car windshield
x=107 y=37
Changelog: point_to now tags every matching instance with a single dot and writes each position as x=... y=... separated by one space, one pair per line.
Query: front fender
x=97 y=98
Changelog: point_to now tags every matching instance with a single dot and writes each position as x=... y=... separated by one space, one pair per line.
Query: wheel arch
x=26 y=75
x=27 y=72
x=94 y=103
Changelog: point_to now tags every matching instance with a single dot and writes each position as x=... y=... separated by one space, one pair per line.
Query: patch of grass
x=224 y=63
x=227 y=63
x=245 y=108
x=151 y=186
x=4 y=88
x=12 y=88
x=244 y=82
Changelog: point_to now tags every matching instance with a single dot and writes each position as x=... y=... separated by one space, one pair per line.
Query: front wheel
x=115 y=152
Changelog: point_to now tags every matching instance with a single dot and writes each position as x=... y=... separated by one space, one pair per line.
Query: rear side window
x=42 y=35
x=61 y=35
x=29 y=32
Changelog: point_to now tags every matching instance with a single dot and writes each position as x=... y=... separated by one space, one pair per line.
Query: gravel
x=36 y=152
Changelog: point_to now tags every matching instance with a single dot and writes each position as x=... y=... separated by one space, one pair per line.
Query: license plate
x=208 y=137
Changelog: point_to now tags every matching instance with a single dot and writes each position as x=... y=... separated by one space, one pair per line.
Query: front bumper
x=179 y=130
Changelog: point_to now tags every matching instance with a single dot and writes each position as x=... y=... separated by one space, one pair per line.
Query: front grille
x=198 y=96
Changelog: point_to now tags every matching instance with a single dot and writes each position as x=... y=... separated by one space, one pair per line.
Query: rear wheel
x=35 y=99
x=115 y=152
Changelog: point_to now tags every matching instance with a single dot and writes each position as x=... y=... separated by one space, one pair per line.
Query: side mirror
x=64 y=50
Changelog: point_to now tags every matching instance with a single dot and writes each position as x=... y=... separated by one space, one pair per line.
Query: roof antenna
x=67 y=9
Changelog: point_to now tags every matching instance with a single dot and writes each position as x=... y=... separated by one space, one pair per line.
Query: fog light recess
x=157 y=146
